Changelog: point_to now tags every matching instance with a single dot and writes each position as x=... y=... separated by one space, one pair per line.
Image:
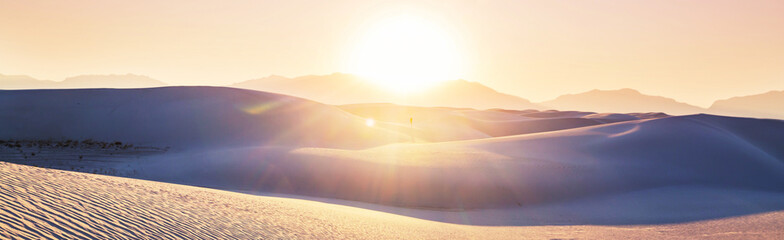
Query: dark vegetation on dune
x=87 y=155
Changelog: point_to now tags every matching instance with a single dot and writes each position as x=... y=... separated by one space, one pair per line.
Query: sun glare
x=406 y=53
x=370 y=122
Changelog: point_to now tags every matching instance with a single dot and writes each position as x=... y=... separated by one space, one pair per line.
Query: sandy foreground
x=44 y=203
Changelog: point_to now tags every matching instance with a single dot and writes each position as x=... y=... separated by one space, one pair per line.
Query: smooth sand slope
x=40 y=203
x=506 y=171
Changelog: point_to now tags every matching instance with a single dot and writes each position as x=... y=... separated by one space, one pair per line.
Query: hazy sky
x=694 y=51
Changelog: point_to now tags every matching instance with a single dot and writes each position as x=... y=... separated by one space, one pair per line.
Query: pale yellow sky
x=693 y=51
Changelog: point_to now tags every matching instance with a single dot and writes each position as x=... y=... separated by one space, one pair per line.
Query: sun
x=406 y=53
x=370 y=122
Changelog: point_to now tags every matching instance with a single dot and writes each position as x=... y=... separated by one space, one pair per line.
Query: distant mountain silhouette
x=111 y=81
x=23 y=82
x=81 y=81
x=764 y=105
x=620 y=101
x=341 y=88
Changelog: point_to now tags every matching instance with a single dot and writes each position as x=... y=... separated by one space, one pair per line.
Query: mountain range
x=765 y=105
x=342 y=89
x=82 y=81
x=620 y=101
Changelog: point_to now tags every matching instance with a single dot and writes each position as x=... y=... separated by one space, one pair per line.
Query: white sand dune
x=183 y=117
x=192 y=117
x=41 y=203
x=664 y=205
x=505 y=171
x=38 y=203
x=571 y=168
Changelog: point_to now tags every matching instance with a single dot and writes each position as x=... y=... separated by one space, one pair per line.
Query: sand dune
x=189 y=117
x=183 y=117
x=664 y=205
x=42 y=203
x=246 y=140
x=508 y=171
x=479 y=167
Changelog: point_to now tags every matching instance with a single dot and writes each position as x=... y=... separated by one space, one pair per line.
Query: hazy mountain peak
x=615 y=91
x=628 y=91
x=273 y=76
x=763 y=105
x=620 y=100
x=462 y=83
x=112 y=81
x=4 y=77
x=81 y=81
x=22 y=82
